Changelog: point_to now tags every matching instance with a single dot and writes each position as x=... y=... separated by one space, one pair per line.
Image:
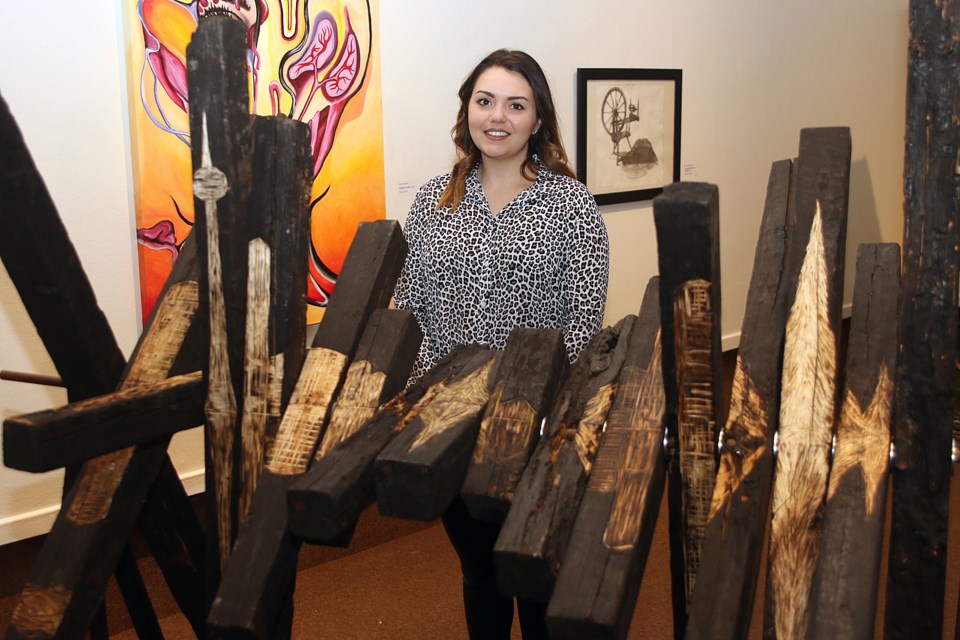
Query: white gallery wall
x=754 y=74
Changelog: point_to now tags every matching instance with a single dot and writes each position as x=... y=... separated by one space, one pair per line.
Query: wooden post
x=329 y=498
x=530 y=549
x=279 y=223
x=222 y=142
x=926 y=378
x=730 y=558
x=534 y=361
x=260 y=577
x=420 y=472
x=688 y=241
x=844 y=597
x=815 y=262
x=600 y=576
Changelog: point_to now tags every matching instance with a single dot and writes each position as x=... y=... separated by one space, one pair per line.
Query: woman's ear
x=537 y=127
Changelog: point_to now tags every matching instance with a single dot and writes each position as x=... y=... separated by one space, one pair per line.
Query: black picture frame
x=628 y=132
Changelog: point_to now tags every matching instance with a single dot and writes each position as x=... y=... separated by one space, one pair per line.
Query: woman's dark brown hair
x=545 y=143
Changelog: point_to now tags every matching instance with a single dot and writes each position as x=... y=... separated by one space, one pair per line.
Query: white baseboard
x=39 y=521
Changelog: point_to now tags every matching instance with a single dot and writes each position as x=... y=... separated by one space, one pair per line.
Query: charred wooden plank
x=534 y=362
x=221 y=131
x=420 y=471
x=730 y=559
x=844 y=597
x=688 y=241
x=261 y=572
x=45 y=269
x=379 y=370
x=923 y=408
x=809 y=379
x=599 y=580
x=339 y=486
x=54 y=438
x=529 y=552
x=67 y=582
x=274 y=340
x=739 y=507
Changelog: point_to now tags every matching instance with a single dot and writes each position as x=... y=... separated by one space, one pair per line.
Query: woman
x=508 y=238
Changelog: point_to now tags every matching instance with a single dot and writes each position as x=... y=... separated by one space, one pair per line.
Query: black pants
x=489 y=614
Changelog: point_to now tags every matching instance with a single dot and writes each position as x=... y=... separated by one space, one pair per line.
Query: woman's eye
x=516 y=106
x=483 y=102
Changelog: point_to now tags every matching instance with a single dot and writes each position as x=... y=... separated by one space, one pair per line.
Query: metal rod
x=31 y=378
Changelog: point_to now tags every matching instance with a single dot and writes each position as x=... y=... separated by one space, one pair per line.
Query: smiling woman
x=507 y=239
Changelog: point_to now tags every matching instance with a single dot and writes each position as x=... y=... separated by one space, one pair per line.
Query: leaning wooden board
x=600 y=576
x=533 y=540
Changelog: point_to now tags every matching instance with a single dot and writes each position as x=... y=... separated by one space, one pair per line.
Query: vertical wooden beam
x=730 y=558
x=815 y=261
x=279 y=225
x=221 y=142
x=534 y=362
x=923 y=409
x=600 y=577
x=844 y=597
x=688 y=241
x=533 y=540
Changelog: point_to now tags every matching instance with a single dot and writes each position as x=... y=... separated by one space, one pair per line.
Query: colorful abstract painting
x=314 y=61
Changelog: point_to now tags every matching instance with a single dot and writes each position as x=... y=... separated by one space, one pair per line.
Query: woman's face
x=502 y=115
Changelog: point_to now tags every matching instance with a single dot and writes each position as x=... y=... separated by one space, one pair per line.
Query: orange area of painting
x=171 y=23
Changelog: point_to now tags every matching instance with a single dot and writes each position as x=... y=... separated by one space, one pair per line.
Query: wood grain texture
x=844 y=596
x=533 y=540
x=421 y=470
x=329 y=498
x=534 y=361
x=600 y=577
x=98 y=513
x=924 y=402
x=730 y=558
x=686 y=216
x=809 y=378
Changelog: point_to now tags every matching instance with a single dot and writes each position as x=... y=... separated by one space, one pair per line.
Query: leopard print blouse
x=471 y=277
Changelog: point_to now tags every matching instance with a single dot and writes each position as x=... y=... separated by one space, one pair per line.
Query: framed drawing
x=628 y=132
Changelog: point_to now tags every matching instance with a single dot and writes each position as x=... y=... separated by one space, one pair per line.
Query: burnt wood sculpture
x=529 y=551
x=600 y=576
x=329 y=498
x=815 y=261
x=923 y=408
x=688 y=241
x=844 y=597
x=730 y=557
x=68 y=580
x=43 y=265
x=420 y=471
x=534 y=361
x=260 y=576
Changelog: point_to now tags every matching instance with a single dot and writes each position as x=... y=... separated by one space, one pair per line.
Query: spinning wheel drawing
x=617 y=114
